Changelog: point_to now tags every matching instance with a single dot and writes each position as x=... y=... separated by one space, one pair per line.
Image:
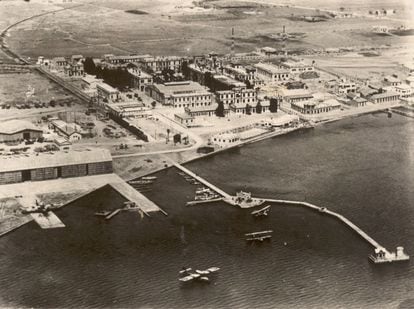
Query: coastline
x=195 y=156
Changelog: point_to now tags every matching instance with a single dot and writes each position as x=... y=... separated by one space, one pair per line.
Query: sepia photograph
x=229 y=154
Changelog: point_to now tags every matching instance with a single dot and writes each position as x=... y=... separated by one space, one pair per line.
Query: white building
x=225 y=139
x=297 y=67
x=271 y=73
x=107 y=92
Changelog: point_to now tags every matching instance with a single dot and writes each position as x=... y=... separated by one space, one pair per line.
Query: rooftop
x=170 y=89
x=14 y=126
x=43 y=160
x=106 y=87
x=271 y=68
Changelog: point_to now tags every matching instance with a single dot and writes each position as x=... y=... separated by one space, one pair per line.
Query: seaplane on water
x=263 y=212
x=259 y=236
x=198 y=275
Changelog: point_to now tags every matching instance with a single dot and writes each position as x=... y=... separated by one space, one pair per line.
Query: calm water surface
x=362 y=168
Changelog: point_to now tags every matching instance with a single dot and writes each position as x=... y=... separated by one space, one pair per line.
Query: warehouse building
x=18 y=130
x=53 y=166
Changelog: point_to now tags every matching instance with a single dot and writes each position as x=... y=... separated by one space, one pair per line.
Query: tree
x=89 y=66
x=274 y=105
x=153 y=103
x=259 y=108
x=220 y=109
x=248 y=109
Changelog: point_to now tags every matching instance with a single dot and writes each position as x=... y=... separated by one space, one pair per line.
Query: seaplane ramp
x=58 y=192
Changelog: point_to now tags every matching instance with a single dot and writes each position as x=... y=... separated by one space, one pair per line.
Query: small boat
x=102 y=213
x=149 y=178
x=261 y=212
x=140 y=182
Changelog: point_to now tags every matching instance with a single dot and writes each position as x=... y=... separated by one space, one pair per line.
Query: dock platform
x=47 y=220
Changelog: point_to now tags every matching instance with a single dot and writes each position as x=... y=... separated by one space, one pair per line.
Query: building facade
x=53 y=166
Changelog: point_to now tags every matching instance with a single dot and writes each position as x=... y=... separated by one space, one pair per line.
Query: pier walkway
x=201 y=180
x=336 y=215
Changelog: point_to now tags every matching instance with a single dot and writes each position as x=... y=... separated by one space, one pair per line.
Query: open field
x=181 y=28
x=14 y=87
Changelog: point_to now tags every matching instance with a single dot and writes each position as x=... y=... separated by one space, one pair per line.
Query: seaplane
x=198 y=275
x=263 y=212
x=259 y=236
x=40 y=208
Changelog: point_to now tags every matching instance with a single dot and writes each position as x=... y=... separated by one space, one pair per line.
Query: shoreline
x=264 y=137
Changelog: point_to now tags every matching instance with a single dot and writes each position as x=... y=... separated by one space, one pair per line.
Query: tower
x=232 y=43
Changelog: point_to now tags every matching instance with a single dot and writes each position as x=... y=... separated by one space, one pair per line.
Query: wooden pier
x=201 y=180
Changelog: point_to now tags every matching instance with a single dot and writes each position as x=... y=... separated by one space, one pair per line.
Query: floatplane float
x=197 y=275
x=261 y=212
x=259 y=236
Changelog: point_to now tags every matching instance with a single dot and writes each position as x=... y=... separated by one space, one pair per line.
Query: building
x=224 y=140
x=316 y=107
x=271 y=73
x=112 y=59
x=388 y=96
x=184 y=119
x=107 y=92
x=140 y=79
x=297 y=67
x=46 y=166
x=295 y=95
x=237 y=95
x=89 y=84
x=405 y=91
x=59 y=63
x=18 y=130
x=345 y=86
x=157 y=64
x=128 y=109
x=180 y=94
x=209 y=110
x=354 y=100
x=392 y=80
x=71 y=131
x=223 y=82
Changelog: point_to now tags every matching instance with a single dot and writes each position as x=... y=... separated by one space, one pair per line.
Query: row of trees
x=118 y=77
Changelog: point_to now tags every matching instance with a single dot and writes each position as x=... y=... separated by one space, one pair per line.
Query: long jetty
x=334 y=214
x=201 y=180
x=254 y=201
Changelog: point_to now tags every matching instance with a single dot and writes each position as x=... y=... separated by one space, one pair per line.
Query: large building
x=316 y=106
x=180 y=94
x=140 y=79
x=107 y=92
x=237 y=95
x=297 y=67
x=160 y=63
x=271 y=73
x=53 y=166
x=18 y=130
